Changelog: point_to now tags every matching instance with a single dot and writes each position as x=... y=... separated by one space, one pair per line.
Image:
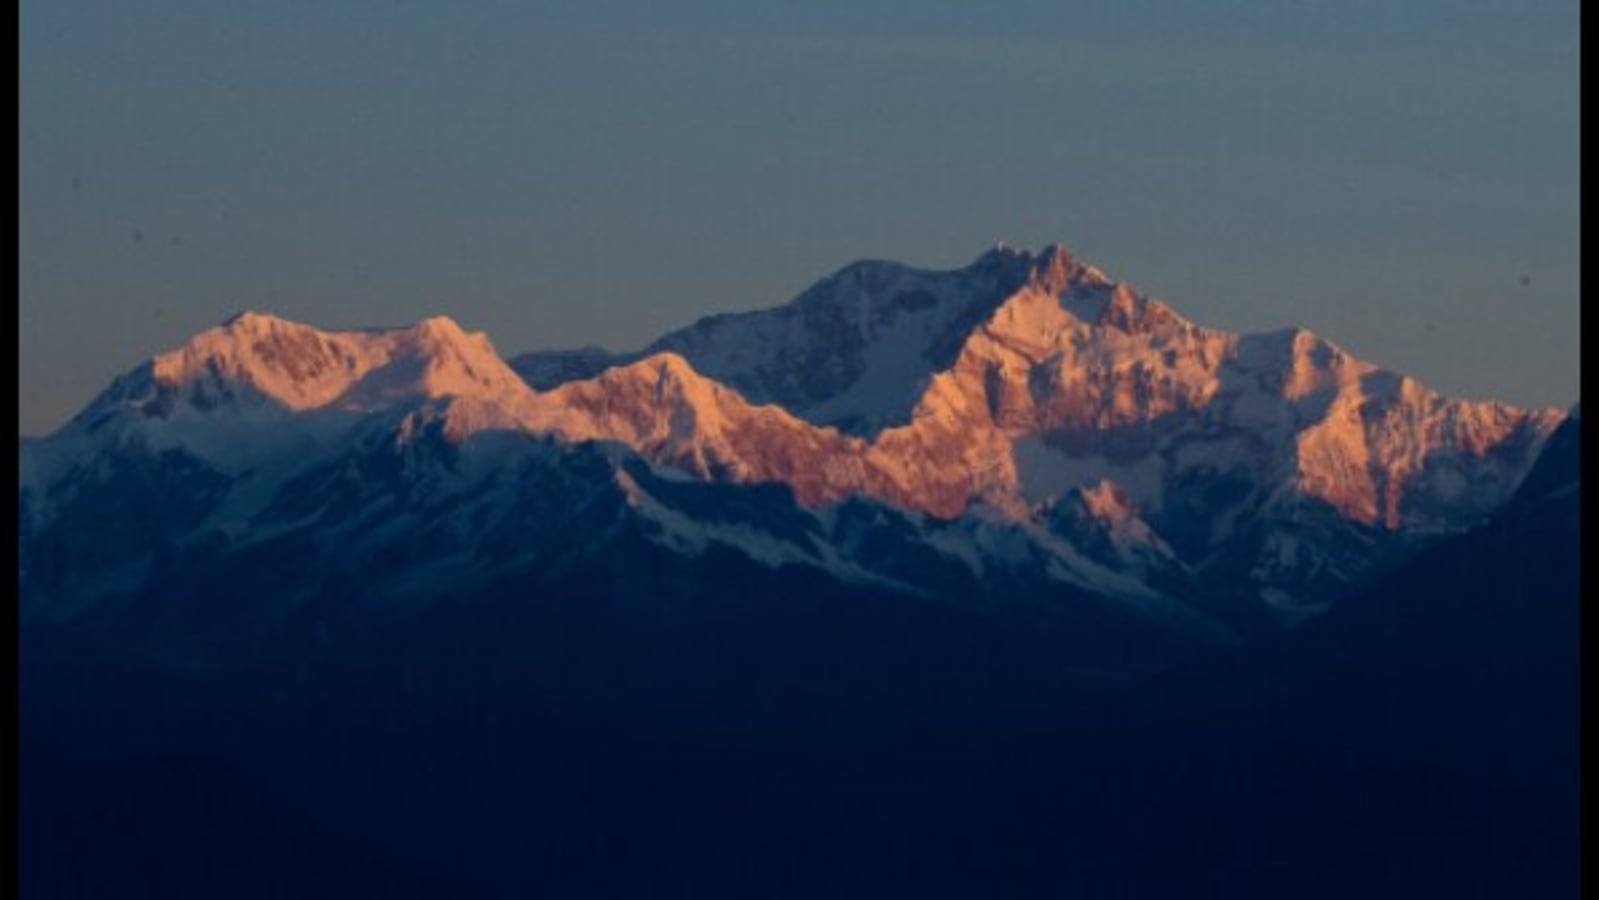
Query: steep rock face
x=1097 y=371
x=663 y=409
x=855 y=350
x=1226 y=443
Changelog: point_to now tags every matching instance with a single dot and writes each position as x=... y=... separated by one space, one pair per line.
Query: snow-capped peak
x=663 y=408
x=1056 y=269
x=259 y=361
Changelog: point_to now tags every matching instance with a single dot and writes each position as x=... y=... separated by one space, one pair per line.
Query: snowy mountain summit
x=1025 y=433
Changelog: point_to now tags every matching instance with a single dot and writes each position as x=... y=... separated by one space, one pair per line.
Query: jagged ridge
x=1013 y=384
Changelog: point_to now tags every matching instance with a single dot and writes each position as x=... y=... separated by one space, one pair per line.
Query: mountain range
x=1000 y=581
x=1024 y=435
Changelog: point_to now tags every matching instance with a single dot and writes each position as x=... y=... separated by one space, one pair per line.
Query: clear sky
x=1399 y=177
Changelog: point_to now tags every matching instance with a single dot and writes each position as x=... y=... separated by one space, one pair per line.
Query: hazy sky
x=1399 y=177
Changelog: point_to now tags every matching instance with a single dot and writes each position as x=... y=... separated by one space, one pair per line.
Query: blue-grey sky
x=1399 y=177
